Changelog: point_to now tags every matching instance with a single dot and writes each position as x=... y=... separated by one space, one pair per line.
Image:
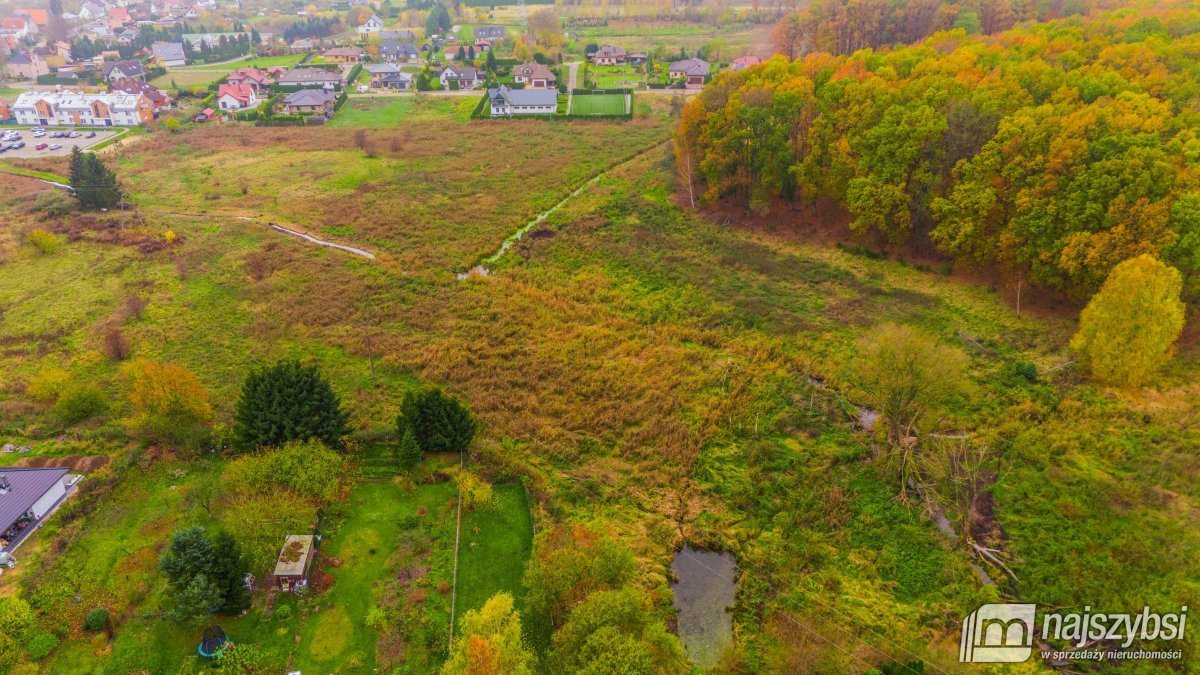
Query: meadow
x=650 y=370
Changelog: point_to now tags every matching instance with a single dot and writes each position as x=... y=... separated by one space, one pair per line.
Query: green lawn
x=494 y=547
x=615 y=77
x=598 y=104
x=335 y=633
x=388 y=111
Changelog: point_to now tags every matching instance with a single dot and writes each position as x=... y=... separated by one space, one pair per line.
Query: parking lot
x=31 y=141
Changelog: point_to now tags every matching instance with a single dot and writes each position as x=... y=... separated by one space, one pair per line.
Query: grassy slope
x=635 y=358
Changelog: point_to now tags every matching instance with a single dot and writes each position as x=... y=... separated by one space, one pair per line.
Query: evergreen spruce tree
x=408 y=454
x=93 y=184
x=189 y=554
x=288 y=402
x=440 y=423
x=229 y=570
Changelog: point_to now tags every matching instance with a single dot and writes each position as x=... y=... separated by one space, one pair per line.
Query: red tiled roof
x=241 y=92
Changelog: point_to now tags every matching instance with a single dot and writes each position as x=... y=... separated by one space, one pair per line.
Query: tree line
x=1053 y=151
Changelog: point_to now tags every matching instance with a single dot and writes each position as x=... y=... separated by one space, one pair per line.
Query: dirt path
x=320 y=242
x=479 y=268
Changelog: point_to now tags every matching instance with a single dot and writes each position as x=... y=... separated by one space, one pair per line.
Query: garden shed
x=295 y=561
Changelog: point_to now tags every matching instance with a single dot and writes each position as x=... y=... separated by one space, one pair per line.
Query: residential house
x=310 y=102
x=39 y=17
x=63 y=49
x=343 y=54
x=259 y=80
x=27 y=496
x=609 y=55
x=695 y=71
x=26 y=66
x=394 y=50
x=303 y=45
x=462 y=77
x=743 y=62
x=118 y=14
x=311 y=78
x=482 y=46
x=295 y=560
x=489 y=34
x=637 y=59
x=17 y=27
x=236 y=96
x=169 y=54
x=389 y=76
x=206 y=115
x=131 y=86
x=373 y=24
x=117 y=70
x=91 y=11
x=506 y=102
x=534 y=76
x=68 y=107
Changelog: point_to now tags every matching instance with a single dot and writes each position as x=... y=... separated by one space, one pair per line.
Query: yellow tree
x=490 y=642
x=1128 y=330
x=170 y=405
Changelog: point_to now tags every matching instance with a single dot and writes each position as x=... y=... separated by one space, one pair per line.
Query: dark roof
x=309 y=76
x=168 y=51
x=126 y=68
x=396 y=35
x=26 y=486
x=394 y=47
x=309 y=97
x=490 y=32
x=690 y=67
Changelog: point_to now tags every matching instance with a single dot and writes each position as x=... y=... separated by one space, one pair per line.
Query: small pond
x=704 y=593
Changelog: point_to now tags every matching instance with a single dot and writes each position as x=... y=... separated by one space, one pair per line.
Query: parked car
x=91 y=134
x=55 y=146
x=40 y=146
x=74 y=134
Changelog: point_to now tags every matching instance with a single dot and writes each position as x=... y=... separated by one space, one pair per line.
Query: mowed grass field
x=495 y=545
x=598 y=104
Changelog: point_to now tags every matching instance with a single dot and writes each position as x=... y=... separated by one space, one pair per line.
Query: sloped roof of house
x=40 y=17
x=462 y=73
x=609 y=51
x=745 y=62
x=13 y=23
x=540 y=97
x=382 y=68
x=397 y=47
x=306 y=97
x=25 y=487
x=690 y=67
x=534 y=70
x=241 y=91
x=490 y=32
x=351 y=52
x=131 y=86
x=309 y=76
x=125 y=68
x=168 y=51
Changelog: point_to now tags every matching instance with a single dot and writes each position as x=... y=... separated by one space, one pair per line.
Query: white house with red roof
x=236 y=96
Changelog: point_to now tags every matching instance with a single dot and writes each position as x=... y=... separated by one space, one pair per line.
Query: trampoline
x=213 y=642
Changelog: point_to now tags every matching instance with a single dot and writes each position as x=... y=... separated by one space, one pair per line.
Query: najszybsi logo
x=1003 y=633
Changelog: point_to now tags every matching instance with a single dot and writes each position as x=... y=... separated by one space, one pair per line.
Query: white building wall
x=43 y=504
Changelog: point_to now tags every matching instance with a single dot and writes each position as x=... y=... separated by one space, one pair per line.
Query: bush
x=16 y=617
x=170 y=404
x=114 y=343
x=283 y=612
x=53 y=204
x=44 y=241
x=96 y=620
x=1021 y=370
x=48 y=384
x=308 y=469
x=476 y=492
x=39 y=646
x=79 y=403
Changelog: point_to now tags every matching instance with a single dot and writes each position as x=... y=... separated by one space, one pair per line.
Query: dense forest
x=1053 y=151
